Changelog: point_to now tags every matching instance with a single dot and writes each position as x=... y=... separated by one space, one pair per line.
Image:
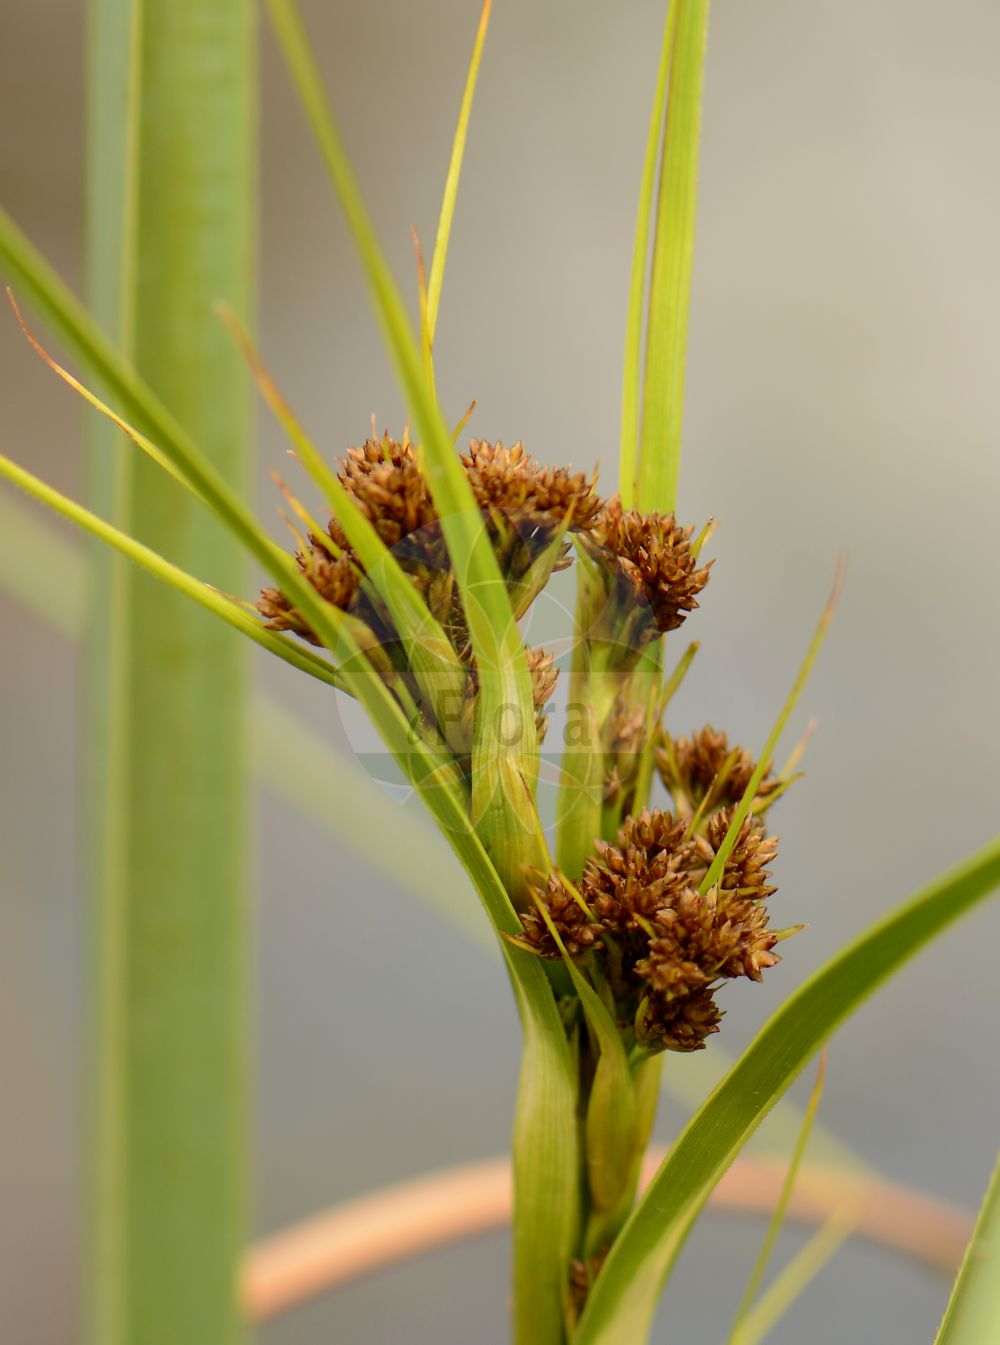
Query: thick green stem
x=171 y=179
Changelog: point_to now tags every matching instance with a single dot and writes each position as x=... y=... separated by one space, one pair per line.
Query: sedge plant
x=417 y=559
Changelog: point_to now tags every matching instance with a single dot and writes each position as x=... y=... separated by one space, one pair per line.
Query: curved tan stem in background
x=392 y=1225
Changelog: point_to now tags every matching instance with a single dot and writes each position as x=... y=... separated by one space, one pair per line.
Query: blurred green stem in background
x=171 y=179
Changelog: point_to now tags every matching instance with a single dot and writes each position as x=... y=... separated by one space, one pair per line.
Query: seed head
x=654 y=554
x=678 y=1024
x=745 y=873
x=544 y=674
x=510 y=481
x=385 y=482
x=692 y=768
x=575 y=925
x=335 y=579
x=665 y=945
x=628 y=883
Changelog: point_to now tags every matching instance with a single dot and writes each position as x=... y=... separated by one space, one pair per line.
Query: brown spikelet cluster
x=523 y=501
x=335 y=579
x=746 y=872
x=582 y=1274
x=705 y=766
x=385 y=482
x=666 y=946
x=574 y=922
x=654 y=554
x=659 y=947
x=510 y=481
x=544 y=675
x=623 y=739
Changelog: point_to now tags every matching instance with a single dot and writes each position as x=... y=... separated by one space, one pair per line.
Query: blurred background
x=841 y=394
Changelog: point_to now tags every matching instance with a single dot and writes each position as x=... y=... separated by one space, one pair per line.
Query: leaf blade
x=447 y=214
x=502 y=772
x=780 y=1210
x=628 y=453
x=973 y=1313
x=673 y=258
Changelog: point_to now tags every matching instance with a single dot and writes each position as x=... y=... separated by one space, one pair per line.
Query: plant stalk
x=170 y=230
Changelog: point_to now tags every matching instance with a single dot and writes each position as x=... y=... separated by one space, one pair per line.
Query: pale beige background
x=842 y=394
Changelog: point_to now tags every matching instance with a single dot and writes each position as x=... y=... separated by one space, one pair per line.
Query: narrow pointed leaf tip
x=764 y=761
x=228 y=609
x=138 y=439
x=737 y=1335
x=628 y=463
x=973 y=1314
x=447 y=215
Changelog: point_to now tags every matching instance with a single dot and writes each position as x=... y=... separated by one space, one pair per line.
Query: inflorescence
x=640 y=916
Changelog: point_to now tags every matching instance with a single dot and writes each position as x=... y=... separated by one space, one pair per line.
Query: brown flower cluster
x=336 y=578
x=623 y=737
x=638 y=915
x=665 y=946
x=511 y=482
x=653 y=554
x=528 y=510
x=705 y=768
x=524 y=504
x=384 y=480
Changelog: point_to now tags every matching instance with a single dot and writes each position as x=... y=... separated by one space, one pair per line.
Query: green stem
x=171 y=178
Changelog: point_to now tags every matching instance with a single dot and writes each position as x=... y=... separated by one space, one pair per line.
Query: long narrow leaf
x=503 y=772
x=305 y=659
x=781 y=1208
x=973 y=1313
x=436 y=277
x=172 y=87
x=673 y=257
x=428 y=651
x=623 y=1301
x=628 y=460
x=794 y=1279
